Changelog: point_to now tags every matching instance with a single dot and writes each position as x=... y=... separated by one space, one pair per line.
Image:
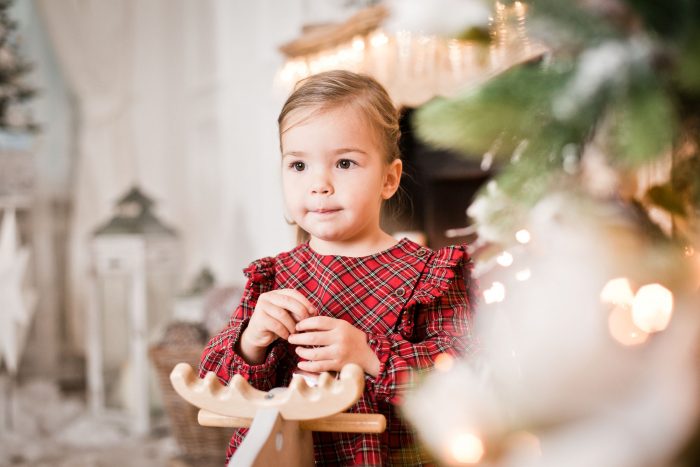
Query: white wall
x=197 y=131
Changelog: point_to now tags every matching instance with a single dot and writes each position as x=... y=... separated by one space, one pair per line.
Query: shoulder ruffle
x=440 y=270
x=261 y=270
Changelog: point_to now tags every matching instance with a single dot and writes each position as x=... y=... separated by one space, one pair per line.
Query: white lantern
x=134 y=282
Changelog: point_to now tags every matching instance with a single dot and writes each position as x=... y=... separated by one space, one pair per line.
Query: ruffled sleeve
x=220 y=356
x=436 y=320
x=440 y=270
x=262 y=270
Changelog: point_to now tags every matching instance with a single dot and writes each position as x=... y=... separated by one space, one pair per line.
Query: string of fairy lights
x=415 y=67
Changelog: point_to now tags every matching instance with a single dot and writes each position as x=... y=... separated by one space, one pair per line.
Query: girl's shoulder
x=448 y=257
x=264 y=268
x=442 y=267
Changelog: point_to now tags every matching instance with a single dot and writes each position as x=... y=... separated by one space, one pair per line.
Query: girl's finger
x=311 y=338
x=277 y=328
x=281 y=316
x=318 y=366
x=316 y=354
x=299 y=296
x=317 y=323
x=292 y=304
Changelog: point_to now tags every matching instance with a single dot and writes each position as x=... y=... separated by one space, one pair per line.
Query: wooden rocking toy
x=281 y=420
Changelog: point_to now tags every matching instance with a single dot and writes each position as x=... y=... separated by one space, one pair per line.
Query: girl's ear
x=392 y=179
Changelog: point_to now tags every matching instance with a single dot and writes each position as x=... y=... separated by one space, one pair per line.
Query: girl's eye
x=297 y=166
x=345 y=164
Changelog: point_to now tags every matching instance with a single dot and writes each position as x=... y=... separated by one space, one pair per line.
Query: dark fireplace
x=436 y=189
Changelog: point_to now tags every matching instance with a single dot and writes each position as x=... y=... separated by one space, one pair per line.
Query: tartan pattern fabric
x=413 y=303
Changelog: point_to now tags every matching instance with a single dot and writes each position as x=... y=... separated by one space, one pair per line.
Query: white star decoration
x=16 y=300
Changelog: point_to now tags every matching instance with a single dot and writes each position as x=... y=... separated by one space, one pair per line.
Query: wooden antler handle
x=342 y=422
x=297 y=402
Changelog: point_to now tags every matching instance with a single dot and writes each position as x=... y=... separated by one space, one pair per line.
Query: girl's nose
x=322 y=189
x=321 y=185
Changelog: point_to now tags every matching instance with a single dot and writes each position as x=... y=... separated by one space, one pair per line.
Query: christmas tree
x=14 y=92
x=588 y=237
x=623 y=80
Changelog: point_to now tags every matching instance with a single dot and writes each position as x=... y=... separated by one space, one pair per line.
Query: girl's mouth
x=325 y=211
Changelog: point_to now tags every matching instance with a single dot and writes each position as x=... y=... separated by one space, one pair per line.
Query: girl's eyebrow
x=350 y=149
x=335 y=152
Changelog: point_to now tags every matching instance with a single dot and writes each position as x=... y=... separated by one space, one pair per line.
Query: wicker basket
x=184 y=342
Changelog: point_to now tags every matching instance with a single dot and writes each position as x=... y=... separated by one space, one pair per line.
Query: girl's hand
x=275 y=316
x=336 y=343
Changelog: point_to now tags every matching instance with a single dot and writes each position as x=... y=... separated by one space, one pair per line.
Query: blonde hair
x=336 y=88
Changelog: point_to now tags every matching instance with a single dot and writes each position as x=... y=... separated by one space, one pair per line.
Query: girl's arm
x=221 y=357
x=442 y=326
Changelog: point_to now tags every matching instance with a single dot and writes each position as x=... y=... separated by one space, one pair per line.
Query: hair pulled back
x=337 y=88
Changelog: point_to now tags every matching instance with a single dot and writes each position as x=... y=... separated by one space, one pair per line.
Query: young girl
x=350 y=293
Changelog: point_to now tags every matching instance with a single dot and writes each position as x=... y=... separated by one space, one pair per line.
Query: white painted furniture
x=134 y=282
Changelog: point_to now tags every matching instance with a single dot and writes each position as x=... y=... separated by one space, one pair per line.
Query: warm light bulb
x=623 y=329
x=618 y=292
x=466 y=448
x=505 y=259
x=495 y=293
x=652 y=308
x=522 y=236
x=358 y=44
x=292 y=71
x=444 y=362
x=379 y=39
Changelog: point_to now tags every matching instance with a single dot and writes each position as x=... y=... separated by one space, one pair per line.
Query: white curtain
x=176 y=96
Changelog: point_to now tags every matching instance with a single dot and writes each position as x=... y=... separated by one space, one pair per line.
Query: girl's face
x=335 y=177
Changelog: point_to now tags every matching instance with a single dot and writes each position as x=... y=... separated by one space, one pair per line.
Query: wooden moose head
x=281 y=420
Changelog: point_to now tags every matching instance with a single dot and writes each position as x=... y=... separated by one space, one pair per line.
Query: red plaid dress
x=413 y=303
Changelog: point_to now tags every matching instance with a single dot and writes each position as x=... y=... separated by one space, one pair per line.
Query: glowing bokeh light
x=505 y=259
x=466 y=448
x=523 y=275
x=444 y=362
x=618 y=292
x=496 y=293
x=523 y=236
x=358 y=44
x=379 y=39
x=652 y=308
